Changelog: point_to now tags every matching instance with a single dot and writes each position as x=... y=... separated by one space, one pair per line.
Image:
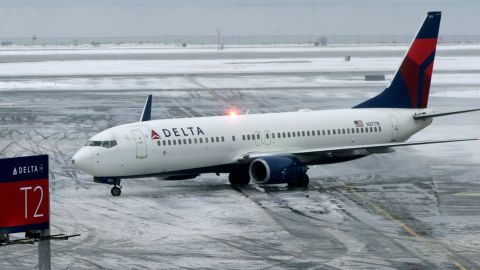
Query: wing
x=343 y=151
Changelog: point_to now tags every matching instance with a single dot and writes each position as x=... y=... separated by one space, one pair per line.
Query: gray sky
x=66 y=18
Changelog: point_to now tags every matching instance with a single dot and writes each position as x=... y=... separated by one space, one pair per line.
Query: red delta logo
x=155 y=135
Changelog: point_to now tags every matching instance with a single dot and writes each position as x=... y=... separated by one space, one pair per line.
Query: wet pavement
x=416 y=208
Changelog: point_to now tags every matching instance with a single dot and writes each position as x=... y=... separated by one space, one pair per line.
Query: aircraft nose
x=83 y=159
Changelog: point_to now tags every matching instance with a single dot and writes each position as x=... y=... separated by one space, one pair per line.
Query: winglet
x=147 y=110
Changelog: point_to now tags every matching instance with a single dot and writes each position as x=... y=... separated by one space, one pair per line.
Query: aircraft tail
x=411 y=84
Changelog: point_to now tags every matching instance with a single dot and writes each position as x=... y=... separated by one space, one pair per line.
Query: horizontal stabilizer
x=427 y=115
x=147 y=110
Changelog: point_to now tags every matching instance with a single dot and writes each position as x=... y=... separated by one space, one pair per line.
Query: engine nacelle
x=276 y=170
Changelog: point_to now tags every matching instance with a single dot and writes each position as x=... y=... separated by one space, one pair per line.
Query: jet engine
x=277 y=170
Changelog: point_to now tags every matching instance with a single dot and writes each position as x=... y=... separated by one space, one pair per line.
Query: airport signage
x=24 y=194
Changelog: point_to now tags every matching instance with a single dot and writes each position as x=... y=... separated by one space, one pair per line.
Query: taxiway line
x=404 y=226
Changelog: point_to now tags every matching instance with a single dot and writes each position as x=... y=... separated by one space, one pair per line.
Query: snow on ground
x=166 y=49
x=172 y=67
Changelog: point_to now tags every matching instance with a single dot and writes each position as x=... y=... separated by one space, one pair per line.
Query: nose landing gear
x=115 y=181
x=116 y=190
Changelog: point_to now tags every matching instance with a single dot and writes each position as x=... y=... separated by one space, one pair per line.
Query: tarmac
x=415 y=208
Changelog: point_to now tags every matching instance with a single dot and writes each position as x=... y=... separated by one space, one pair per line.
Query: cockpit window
x=106 y=144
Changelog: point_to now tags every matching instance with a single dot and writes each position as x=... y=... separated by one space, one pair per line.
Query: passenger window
x=323 y=132
x=283 y=134
x=353 y=130
x=223 y=139
x=366 y=130
x=339 y=131
x=380 y=129
x=308 y=133
x=288 y=134
x=158 y=143
x=258 y=136
x=273 y=135
x=371 y=129
x=184 y=141
x=333 y=131
x=233 y=138
x=200 y=140
x=361 y=130
x=179 y=141
x=343 y=131
x=267 y=136
x=375 y=129
x=195 y=140
x=348 y=131
x=206 y=139
x=303 y=133
x=248 y=137
x=328 y=132
x=358 y=130
x=169 y=142
x=164 y=143
x=293 y=134
x=189 y=141
x=174 y=142
x=243 y=137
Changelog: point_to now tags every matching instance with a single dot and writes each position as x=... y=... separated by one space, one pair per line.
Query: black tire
x=239 y=178
x=116 y=191
x=303 y=182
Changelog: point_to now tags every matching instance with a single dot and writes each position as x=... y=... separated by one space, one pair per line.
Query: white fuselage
x=191 y=143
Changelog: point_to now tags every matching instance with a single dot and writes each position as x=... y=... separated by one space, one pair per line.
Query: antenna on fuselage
x=147 y=110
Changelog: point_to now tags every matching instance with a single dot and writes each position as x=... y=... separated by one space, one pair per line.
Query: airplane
x=272 y=148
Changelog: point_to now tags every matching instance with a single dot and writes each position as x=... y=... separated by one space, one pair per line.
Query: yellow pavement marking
x=457 y=264
x=404 y=226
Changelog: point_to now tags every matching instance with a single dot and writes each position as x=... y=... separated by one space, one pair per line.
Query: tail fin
x=147 y=110
x=411 y=83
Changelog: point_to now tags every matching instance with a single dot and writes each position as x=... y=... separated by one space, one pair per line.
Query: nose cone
x=83 y=159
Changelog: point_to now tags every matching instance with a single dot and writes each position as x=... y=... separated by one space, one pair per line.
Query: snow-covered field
x=416 y=208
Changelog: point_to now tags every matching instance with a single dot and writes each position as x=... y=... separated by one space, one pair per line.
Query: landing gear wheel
x=303 y=182
x=116 y=191
x=238 y=179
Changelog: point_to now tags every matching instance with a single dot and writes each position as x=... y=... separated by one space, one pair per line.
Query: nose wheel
x=116 y=190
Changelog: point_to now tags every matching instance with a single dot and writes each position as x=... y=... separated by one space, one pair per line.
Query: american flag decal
x=358 y=123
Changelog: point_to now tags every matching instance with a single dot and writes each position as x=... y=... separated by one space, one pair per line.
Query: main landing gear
x=239 y=178
x=302 y=182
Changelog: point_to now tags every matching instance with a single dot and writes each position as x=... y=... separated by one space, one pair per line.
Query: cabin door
x=268 y=137
x=395 y=128
x=140 y=143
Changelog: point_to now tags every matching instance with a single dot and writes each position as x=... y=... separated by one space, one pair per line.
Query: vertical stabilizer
x=411 y=84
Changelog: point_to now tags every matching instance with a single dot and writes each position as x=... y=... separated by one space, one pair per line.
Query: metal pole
x=44 y=262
